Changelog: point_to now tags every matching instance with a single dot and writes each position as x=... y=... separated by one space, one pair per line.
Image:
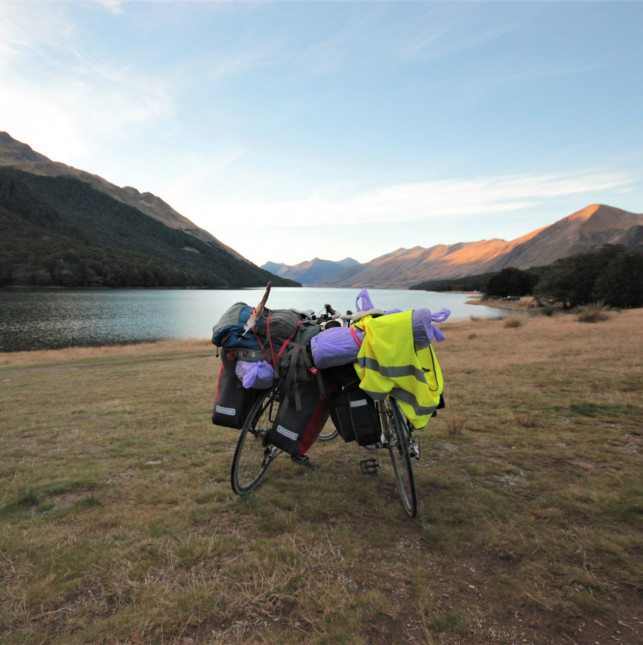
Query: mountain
x=64 y=226
x=19 y=155
x=311 y=271
x=589 y=228
x=273 y=267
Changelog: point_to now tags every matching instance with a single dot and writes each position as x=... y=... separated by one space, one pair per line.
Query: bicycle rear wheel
x=329 y=435
x=398 y=446
x=254 y=453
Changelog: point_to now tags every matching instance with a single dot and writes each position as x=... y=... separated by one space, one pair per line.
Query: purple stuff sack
x=335 y=346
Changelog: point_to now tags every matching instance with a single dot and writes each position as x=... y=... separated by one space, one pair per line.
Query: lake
x=56 y=318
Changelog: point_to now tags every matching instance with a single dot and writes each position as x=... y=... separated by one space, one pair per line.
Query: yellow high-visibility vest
x=389 y=365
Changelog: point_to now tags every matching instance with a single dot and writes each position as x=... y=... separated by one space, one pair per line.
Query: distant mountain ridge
x=311 y=271
x=58 y=222
x=591 y=227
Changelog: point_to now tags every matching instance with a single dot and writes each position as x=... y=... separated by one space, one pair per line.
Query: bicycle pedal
x=303 y=460
x=369 y=466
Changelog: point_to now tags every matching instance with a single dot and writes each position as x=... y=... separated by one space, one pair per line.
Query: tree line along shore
x=612 y=276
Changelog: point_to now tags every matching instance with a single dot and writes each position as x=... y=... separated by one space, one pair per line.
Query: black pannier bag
x=355 y=416
x=296 y=427
x=352 y=411
x=233 y=402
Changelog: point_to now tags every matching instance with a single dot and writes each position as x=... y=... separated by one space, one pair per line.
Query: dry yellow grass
x=78 y=353
x=118 y=525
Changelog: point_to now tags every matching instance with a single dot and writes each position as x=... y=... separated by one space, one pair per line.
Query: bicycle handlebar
x=349 y=316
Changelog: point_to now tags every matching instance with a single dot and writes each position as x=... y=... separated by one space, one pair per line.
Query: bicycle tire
x=254 y=454
x=328 y=436
x=398 y=446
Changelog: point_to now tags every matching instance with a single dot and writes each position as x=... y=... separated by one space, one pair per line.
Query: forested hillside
x=62 y=231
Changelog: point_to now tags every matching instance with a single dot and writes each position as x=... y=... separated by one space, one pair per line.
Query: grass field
x=118 y=524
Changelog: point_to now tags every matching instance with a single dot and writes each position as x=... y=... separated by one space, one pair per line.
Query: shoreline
x=78 y=352
x=190 y=345
x=525 y=304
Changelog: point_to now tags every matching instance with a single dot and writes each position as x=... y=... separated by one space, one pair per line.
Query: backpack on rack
x=295 y=366
x=230 y=328
x=277 y=326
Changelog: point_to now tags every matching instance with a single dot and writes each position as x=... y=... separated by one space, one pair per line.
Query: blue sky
x=293 y=130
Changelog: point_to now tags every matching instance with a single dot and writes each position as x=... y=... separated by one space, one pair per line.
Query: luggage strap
x=271 y=358
x=356 y=338
x=299 y=357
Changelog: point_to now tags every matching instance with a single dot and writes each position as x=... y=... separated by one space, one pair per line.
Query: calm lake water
x=48 y=319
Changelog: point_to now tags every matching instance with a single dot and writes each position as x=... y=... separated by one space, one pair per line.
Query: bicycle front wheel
x=254 y=453
x=398 y=446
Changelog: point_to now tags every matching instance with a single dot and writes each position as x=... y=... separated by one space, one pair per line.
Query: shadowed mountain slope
x=64 y=226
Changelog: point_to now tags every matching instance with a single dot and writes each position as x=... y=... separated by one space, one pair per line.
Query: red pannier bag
x=296 y=430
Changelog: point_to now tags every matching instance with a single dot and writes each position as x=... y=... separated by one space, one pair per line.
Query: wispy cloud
x=196 y=172
x=63 y=119
x=339 y=43
x=27 y=31
x=221 y=65
x=424 y=200
x=114 y=6
x=60 y=97
x=447 y=28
